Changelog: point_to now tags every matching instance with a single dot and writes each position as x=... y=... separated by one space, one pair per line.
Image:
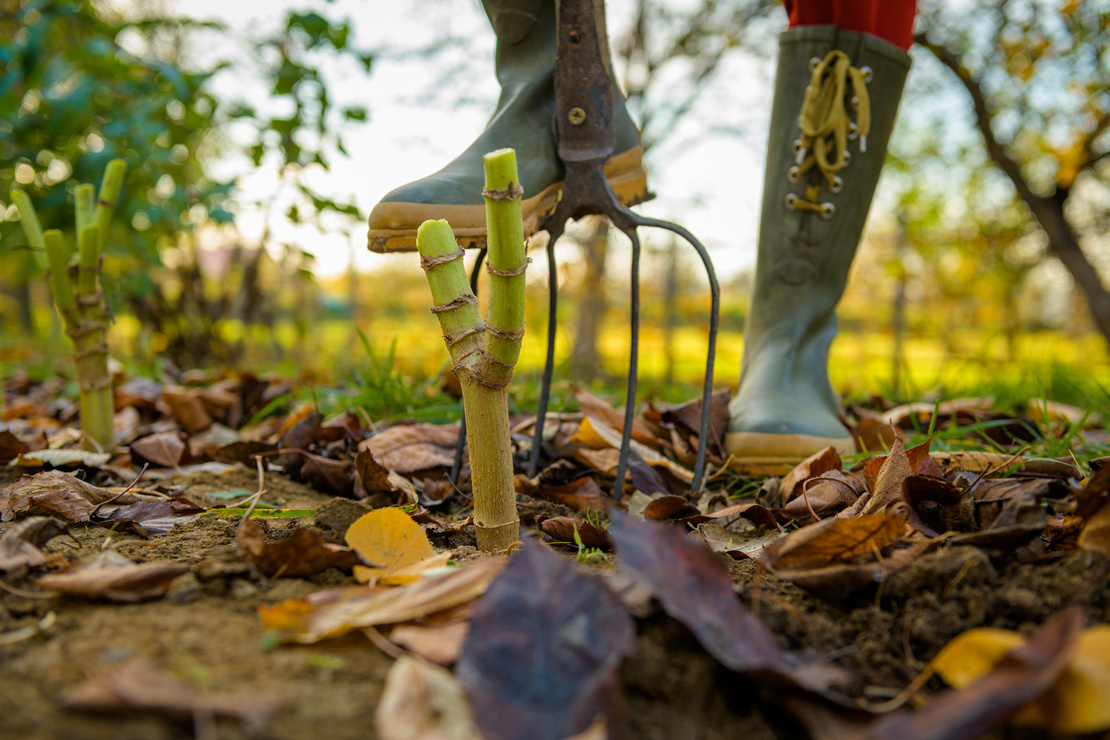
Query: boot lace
x=827 y=126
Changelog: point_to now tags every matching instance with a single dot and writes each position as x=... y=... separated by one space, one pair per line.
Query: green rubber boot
x=523 y=120
x=836 y=96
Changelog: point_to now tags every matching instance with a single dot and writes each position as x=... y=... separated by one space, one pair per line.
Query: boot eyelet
x=813 y=62
x=791 y=199
x=853 y=131
x=855 y=102
x=794 y=174
x=867 y=74
x=837 y=185
x=828 y=210
x=847 y=158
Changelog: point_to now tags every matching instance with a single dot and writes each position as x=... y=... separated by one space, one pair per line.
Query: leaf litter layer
x=751 y=617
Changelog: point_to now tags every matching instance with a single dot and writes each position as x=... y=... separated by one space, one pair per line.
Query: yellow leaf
x=1078 y=703
x=390 y=539
x=589 y=437
x=972 y=654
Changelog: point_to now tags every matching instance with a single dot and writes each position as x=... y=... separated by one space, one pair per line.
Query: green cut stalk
x=32 y=230
x=82 y=304
x=90 y=343
x=85 y=203
x=484 y=356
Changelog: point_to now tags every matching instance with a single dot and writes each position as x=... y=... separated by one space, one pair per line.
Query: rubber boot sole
x=393 y=225
x=777 y=454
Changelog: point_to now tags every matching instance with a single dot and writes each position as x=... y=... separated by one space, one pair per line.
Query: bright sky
x=709 y=182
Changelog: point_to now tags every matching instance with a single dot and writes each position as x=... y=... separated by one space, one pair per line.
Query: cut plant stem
x=82 y=305
x=484 y=357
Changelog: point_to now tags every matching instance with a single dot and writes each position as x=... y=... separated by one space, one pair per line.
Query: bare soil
x=207 y=632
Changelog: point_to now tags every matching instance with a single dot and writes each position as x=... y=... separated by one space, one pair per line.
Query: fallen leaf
x=410 y=448
x=688 y=415
x=137 y=686
x=670 y=507
x=919 y=414
x=303 y=553
x=11 y=446
x=187 y=407
x=148 y=518
x=1095 y=535
x=62 y=495
x=164 y=450
x=582 y=494
x=19 y=546
x=592 y=406
x=598 y=435
x=561 y=529
x=817 y=464
x=375 y=477
x=1021 y=676
x=61 y=459
x=694 y=587
x=835 y=541
x=393 y=541
x=440 y=644
x=1078 y=702
x=545 y=642
x=423 y=702
x=336 y=612
x=112 y=577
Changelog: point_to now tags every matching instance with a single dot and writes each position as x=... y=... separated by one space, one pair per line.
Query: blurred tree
x=81 y=83
x=1037 y=73
x=72 y=98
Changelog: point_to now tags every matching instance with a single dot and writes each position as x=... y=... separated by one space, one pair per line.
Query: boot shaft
x=811 y=250
x=525 y=31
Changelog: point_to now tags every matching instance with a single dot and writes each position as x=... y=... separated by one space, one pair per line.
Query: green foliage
x=72 y=98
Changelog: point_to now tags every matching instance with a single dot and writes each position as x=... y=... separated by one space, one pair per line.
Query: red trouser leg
x=891 y=20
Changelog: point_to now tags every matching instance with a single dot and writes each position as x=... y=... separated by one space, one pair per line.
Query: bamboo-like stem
x=109 y=194
x=507 y=260
x=485 y=400
x=82 y=306
x=85 y=203
x=32 y=230
x=94 y=382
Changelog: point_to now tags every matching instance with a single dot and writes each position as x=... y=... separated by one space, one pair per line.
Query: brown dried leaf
x=149 y=518
x=694 y=587
x=62 y=495
x=423 y=702
x=164 y=450
x=375 y=477
x=339 y=611
x=323 y=473
x=413 y=447
x=187 y=407
x=11 y=446
x=817 y=464
x=303 y=553
x=137 y=686
x=688 y=415
x=834 y=541
x=561 y=529
x=545 y=643
x=440 y=643
x=582 y=494
x=670 y=507
x=19 y=546
x=113 y=577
